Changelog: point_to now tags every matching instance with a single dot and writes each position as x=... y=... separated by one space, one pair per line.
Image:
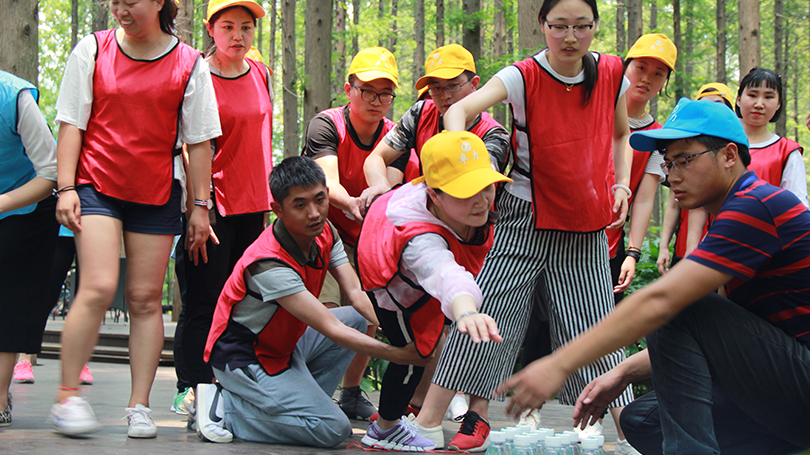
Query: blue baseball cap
x=691 y=119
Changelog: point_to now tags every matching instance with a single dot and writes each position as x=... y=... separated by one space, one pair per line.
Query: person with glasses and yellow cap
x=129 y=100
x=449 y=77
x=339 y=140
x=419 y=250
x=239 y=196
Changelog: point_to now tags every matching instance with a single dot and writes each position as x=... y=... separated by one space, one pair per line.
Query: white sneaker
x=140 y=422
x=589 y=431
x=624 y=448
x=530 y=417
x=210 y=413
x=73 y=417
x=457 y=409
x=435 y=434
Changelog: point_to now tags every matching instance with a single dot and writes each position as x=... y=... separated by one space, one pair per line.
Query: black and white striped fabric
x=577 y=274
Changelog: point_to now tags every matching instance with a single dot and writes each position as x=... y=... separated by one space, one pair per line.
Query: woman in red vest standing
x=570 y=131
x=243 y=158
x=777 y=160
x=129 y=99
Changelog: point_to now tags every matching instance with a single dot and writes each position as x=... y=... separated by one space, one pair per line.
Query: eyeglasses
x=580 y=30
x=682 y=163
x=452 y=88
x=369 y=96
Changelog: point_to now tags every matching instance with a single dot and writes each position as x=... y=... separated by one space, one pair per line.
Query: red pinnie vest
x=244 y=155
x=379 y=251
x=351 y=157
x=276 y=342
x=129 y=144
x=570 y=146
x=769 y=162
x=640 y=160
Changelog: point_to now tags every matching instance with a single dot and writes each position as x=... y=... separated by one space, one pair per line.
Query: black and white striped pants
x=577 y=274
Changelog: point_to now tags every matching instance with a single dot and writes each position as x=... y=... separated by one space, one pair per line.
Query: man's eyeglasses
x=452 y=88
x=580 y=30
x=682 y=163
x=369 y=96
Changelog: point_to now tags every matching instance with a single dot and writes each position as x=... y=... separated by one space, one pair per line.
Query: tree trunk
x=392 y=38
x=690 y=45
x=779 y=60
x=439 y=23
x=317 y=57
x=499 y=51
x=720 y=48
x=749 y=35
x=74 y=23
x=101 y=14
x=678 y=39
x=419 y=38
x=530 y=40
x=471 y=33
x=19 y=45
x=621 y=35
x=654 y=101
x=206 y=38
x=634 y=20
x=356 y=21
x=339 y=48
x=381 y=17
x=271 y=53
x=184 y=21
x=288 y=76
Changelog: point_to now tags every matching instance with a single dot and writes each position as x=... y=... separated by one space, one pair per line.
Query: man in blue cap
x=749 y=352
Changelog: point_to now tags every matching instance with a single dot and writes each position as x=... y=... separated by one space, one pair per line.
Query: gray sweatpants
x=294 y=406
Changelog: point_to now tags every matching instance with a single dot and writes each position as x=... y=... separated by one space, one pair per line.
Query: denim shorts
x=141 y=218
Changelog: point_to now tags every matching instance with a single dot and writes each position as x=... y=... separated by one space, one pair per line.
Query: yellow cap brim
x=254 y=8
x=370 y=75
x=441 y=73
x=471 y=183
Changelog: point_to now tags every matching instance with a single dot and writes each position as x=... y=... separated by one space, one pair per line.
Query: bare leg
x=437 y=400
x=7 y=361
x=354 y=373
x=97 y=247
x=147 y=260
x=615 y=413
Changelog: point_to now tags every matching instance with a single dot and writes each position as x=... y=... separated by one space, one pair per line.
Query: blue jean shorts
x=141 y=218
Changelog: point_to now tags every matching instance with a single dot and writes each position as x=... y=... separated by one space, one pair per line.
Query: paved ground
x=31 y=435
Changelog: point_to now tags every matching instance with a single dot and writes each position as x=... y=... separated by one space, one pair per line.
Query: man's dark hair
x=710 y=142
x=294 y=171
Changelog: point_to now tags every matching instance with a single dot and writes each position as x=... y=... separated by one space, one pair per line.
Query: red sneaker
x=411 y=410
x=473 y=436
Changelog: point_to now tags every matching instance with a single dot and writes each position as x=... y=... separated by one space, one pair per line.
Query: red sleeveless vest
x=640 y=160
x=769 y=162
x=128 y=147
x=571 y=147
x=276 y=342
x=244 y=155
x=379 y=250
x=351 y=157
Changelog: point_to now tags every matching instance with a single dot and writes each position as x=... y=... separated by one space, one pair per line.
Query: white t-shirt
x=36 y=137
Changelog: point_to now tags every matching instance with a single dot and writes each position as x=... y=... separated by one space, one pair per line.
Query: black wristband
x=633 y=254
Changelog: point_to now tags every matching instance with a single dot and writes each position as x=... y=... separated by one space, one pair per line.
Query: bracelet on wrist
x=62 y=190
x=465 y=314
x=201 y=203
x=626 y=189
x=633 y=254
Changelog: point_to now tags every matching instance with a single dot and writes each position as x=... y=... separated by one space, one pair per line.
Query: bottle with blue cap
x=523 y=445
x=497 y=444
x=554 y=446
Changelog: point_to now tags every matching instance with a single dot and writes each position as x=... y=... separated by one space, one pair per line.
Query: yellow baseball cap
x=375 y=63
x=657 y=46
x=446 y=62
x=254 y=55
x=457 y=162
x=716 y=88
x=215 y=6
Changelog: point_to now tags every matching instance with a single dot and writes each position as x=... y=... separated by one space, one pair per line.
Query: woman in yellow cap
x=129 y=99
x=242 y=160
x=419 y=250
x=717 y=92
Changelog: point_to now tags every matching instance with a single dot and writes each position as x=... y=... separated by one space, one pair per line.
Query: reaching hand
x=596 y=397
x=480 y=327
x=533 y=385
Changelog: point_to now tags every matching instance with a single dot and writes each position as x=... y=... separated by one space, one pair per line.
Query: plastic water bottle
x=523 y=428
x=571 y=439
x=538 y=440
x=497 y=444
x=600 y=444
x=590 y=446
x=554 y=446
x=523 y=445
x=510 y=433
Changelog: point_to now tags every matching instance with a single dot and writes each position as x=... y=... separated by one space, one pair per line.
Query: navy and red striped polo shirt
x=761 y=236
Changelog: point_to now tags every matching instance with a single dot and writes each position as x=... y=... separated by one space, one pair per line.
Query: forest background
x=309 y=45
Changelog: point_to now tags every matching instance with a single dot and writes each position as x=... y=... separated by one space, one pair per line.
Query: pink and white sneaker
x=23 y=373
x=86 y=376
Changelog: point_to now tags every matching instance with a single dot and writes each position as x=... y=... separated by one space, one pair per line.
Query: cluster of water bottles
x=522 y=440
